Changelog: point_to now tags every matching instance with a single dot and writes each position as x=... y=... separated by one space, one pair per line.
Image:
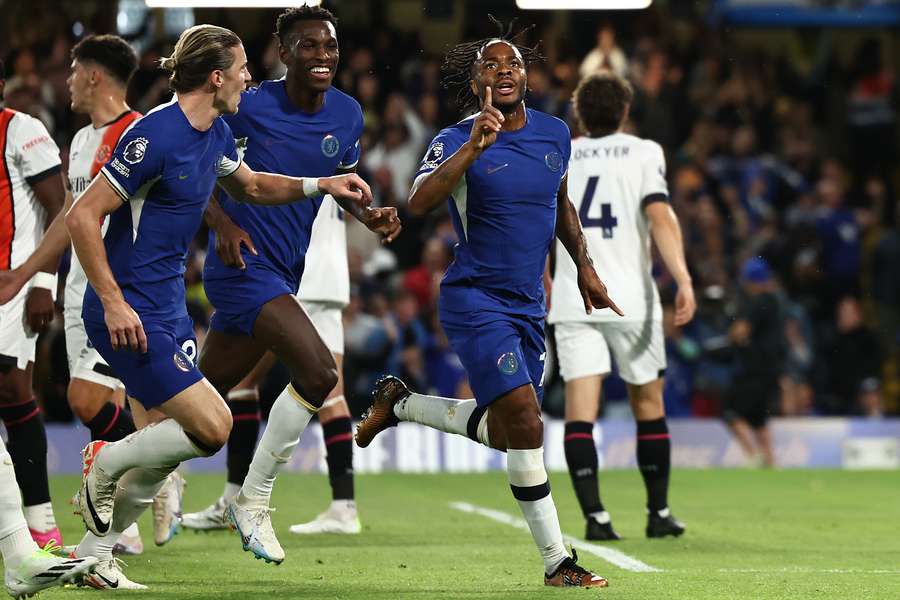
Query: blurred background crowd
x=781 y=144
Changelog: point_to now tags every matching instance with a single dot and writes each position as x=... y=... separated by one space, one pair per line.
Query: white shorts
x=638 y=347
x=326 y=316
x=84 y=361
x=17 y=342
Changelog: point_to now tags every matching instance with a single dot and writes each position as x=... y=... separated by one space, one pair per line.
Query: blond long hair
x=199 y=51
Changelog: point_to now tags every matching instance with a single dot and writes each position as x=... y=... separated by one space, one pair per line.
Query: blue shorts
x=167 y=368
x=499 y=351
x=240 y=295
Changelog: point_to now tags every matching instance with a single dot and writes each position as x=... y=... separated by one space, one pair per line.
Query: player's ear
x=284 y=52
x=217 y=78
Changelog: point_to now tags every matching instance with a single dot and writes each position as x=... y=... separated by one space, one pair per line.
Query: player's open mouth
x=320 y=72
x=506 y=87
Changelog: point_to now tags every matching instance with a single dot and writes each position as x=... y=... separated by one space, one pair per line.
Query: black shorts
x=751 y=399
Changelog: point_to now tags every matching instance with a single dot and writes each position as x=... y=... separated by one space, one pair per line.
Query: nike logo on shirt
x=492 y=170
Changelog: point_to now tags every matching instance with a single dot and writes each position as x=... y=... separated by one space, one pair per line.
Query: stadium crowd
x=781 y=168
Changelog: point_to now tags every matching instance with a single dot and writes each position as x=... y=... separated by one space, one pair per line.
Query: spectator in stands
x=757 y=335
x=853 y=357
x=606 y=55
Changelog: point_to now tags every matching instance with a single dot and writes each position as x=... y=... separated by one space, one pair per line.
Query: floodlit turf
x=751 y=535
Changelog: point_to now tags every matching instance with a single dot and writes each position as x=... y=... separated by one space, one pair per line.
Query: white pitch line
x=610 y=555
x=812 y=570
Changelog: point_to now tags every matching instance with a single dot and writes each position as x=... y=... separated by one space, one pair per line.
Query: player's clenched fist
x=384 y=221
x=349 y=187
x=487 y=123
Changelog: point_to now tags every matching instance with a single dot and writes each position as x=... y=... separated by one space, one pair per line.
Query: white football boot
x=98 y=491
x=167 y=509
x=109 y=576
x=254 y=524
x=129 y=542
x=341 y=517
x=210 y=518
x=42 y=570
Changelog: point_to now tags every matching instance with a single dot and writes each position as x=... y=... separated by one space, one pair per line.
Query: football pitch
x=752 y=534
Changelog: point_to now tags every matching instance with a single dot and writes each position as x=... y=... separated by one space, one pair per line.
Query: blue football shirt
x=504 y=213
x=277 y=137
x=165 y=171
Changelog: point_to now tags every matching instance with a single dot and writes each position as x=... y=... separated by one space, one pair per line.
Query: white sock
x=601 y=517
x=446 y=414
x=528 y=480
x=135 y=493
x=342 y=506
x=161 y=444
x=231 y=490
x=288 y=418
x=15 y=540
x=40 y=517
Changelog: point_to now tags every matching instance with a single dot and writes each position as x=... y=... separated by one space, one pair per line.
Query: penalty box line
x=610 y=555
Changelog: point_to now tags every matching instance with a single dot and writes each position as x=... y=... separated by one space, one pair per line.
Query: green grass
x=752 y=535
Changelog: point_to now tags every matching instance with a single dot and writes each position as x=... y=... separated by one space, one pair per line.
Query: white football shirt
x=611 y=179
x=29 y=156
x=325 y=275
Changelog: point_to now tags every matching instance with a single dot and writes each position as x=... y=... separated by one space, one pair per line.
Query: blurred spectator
x=757 y=334
x=394 y=160
x=854 y=356
x=606 y=55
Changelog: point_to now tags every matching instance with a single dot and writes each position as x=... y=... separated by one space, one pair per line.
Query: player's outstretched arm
x=568 y=231
x=39 y=309
x=666 y=234
x=83 y=222
x=246 y=185
x=44 y=258
x=432 y=189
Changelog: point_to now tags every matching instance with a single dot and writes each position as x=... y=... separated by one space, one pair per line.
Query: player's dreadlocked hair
x=459 y=60
x=286 y=20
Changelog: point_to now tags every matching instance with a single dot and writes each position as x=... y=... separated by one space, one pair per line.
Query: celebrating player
x=29 y=568
x=31 y=194
x=163 y=170
x=296 y=125
x=619 y=185
x=504 y=172
x=101 y=68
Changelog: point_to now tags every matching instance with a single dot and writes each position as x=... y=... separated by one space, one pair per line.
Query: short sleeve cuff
x=228 y=166
x=123 y=193
x=38 y=177
x=651 y=198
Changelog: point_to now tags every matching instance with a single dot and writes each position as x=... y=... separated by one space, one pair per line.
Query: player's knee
x=84 y=405
x=524 y=427
x=214 y=429
x=316 y=381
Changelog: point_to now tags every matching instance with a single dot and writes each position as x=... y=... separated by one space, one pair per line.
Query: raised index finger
x=487 y=97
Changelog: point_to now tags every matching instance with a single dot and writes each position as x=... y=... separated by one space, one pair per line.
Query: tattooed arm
x=568 y=231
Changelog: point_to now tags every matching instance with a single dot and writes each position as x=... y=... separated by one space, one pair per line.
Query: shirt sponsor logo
x=508 y=363
x=554 y=161
x=434 y=155
x=120 y=168
x=330 y=146
x=135 y=150
x=38 y=140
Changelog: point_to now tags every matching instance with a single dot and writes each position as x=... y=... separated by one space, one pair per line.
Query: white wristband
x=311 y=187
x=44 y=280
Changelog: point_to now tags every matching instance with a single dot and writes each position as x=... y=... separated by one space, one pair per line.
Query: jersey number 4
x=607 y=222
